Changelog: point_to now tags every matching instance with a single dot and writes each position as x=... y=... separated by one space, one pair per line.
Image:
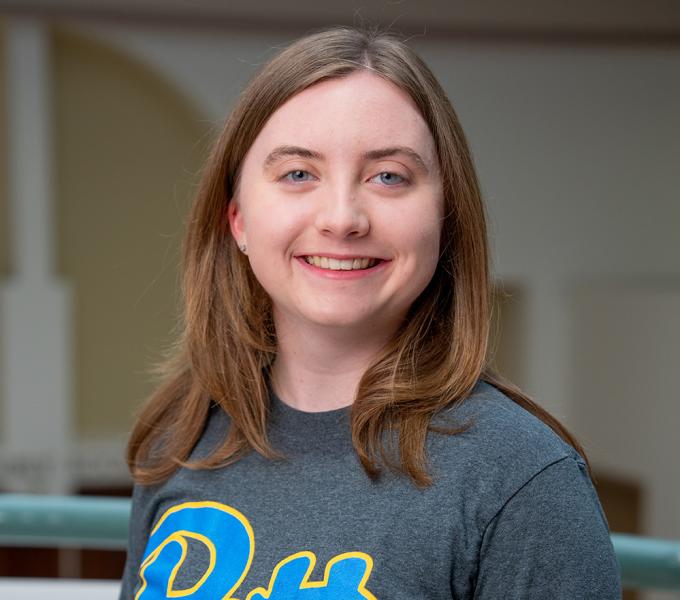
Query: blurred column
x=35 y=350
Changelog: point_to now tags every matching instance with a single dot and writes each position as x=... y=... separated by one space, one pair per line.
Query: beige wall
x=624 y=345
x=507 y=339
x=4 y=245
x=127 y=153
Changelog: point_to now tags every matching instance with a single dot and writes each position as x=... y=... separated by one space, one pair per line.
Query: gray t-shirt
x=511 y=514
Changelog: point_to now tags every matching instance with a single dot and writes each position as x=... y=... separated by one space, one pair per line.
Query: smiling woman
x=312 y=201
x=330 y=396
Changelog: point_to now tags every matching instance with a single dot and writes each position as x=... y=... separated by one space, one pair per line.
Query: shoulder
x=502 y=448
x=499 y=429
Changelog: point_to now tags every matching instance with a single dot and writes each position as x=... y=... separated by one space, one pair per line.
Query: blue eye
x=298 y=176
x=390 y=179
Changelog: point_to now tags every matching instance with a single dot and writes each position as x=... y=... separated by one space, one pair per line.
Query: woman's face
x=340 y=205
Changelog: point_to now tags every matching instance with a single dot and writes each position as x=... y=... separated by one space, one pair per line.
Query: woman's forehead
x=352 y=114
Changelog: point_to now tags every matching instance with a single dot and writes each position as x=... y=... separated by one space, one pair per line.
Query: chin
x=332 y=317
x=357 y=321
x=341 y=321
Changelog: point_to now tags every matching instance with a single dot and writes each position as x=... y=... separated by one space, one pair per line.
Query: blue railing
x=648 y=562
x=64 y=521
x=94 y=522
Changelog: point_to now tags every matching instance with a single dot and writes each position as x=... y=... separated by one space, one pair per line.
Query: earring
x=242 y=248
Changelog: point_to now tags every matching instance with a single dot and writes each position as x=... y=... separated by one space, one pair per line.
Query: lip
x=340 y=256
x=341 y=275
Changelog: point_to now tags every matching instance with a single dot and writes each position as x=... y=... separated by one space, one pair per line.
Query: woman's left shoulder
x=502 y=446
x=524 y=487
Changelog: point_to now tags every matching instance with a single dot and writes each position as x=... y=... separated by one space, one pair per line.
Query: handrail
x=100 y=522
x=64 y=521
x=648 y=562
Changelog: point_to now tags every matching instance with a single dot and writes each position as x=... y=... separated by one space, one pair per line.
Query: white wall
x=577 y=150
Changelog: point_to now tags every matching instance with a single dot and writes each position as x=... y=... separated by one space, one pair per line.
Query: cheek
x=425 y=237
x=421 y=232
x=271 y=239
x=270 y=274
x=428 y=259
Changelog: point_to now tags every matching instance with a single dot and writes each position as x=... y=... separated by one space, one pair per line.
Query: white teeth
x=335 y=264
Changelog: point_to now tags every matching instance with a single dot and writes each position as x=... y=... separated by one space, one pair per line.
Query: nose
x=343 y=215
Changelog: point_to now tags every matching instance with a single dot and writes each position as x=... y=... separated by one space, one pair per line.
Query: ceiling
x=604 y=20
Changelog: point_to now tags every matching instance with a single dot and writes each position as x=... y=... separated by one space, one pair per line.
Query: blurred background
x=108 y=109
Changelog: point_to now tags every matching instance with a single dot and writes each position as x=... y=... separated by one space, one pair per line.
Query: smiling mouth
x=335 y=264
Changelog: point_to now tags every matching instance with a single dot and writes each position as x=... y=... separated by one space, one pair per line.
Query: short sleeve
x=549 y=540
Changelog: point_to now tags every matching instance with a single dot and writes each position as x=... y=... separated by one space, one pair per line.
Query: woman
x=328 y=428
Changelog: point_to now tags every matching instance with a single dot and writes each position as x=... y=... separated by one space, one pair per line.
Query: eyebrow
x=283 y=151
x=393 y=151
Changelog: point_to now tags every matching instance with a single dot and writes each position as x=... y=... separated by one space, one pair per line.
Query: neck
x=319 y=368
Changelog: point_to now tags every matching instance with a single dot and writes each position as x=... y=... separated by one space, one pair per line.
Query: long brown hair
x=229 y=342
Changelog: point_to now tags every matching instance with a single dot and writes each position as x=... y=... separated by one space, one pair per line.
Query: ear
x=236 y=225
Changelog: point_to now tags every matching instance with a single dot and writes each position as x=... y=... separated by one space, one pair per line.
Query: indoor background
x=108 y=109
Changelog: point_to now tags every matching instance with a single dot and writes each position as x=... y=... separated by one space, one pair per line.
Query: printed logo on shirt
x=226 y=542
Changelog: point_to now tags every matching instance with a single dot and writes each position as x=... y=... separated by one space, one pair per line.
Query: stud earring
x=243 y=248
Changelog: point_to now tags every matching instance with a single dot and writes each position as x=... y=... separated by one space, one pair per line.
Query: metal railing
x=648 y=562
x=95 y=522
x=64 y=521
